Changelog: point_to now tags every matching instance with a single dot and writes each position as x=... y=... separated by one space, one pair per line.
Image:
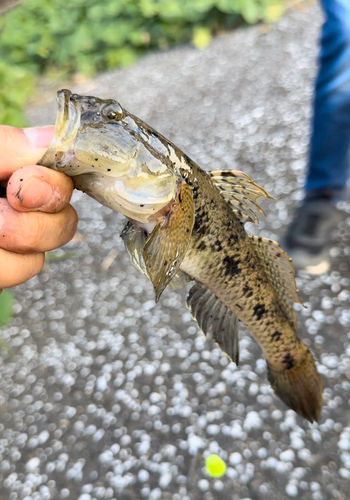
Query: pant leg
x=330 y=139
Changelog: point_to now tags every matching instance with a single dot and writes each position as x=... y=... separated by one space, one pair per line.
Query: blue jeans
x=330 y=140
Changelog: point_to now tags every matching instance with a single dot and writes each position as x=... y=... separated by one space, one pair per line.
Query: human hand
x=36 y=216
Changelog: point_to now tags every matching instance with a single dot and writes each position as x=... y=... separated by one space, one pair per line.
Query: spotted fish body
x=224 y=258
x=185 y=224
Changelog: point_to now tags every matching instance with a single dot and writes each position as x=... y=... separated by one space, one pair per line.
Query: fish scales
x=187 y=225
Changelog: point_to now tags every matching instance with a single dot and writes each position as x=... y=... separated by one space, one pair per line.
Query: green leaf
x=251 y=11
x=6 y=304
x=229 y=5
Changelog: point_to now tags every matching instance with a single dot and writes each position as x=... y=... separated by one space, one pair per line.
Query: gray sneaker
x=308 y=238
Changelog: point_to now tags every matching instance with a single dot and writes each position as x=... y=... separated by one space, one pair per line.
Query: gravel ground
x=109 y=396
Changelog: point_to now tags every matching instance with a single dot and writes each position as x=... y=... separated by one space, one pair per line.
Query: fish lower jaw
x=62 y=161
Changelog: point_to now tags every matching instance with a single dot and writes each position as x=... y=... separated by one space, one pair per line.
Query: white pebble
x=297 y=443
x=262 y=453
x=316 y=435
x=235 y=458
x=253 y=389
x=43 y=437
x=271 y=462
x=33 y=464
x=213 y=429
x=237 y=432
x=203 y=485
x=304 y=454
x=344 y=473
x=277 y=415
x=165 y=479
x=98 y=435
x=344 y=444
x=252 y=421
x=101 y=384
x=144 y=447
x=218 y=485
x=291 y=490
x=106 y=457
x=143 y=476
x=155 y=494
x=287 y=456
x=315 y=486
x=195 y=443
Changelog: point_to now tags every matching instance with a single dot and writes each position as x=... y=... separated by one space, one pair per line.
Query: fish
x=186 y=225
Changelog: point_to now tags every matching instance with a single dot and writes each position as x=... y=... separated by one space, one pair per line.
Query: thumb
x=21 y=147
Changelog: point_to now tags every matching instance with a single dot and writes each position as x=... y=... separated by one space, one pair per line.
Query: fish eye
x=113 y=112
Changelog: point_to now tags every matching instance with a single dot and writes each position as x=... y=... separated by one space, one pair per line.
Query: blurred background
x=105 y=395
x=59 y=40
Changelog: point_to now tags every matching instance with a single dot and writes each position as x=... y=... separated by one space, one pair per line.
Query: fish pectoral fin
x=280 y=273
x=134 y=240
x=167 y=245
x=241 y=193
x=213 y=316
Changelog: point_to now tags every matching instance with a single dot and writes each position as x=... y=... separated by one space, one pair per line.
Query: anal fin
x=213 y=316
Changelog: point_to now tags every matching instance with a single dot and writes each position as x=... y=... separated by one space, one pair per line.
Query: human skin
x=35 y=215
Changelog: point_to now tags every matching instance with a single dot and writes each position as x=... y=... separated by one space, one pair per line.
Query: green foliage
x=6 y=302
x=17 y=84
x=85 y=36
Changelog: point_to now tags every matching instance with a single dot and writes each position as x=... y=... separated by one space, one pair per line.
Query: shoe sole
x=321 y=268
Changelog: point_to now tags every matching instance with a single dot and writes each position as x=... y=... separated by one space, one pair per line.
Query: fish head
x=111 y=155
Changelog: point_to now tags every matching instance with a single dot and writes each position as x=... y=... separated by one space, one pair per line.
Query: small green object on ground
x=215 y=466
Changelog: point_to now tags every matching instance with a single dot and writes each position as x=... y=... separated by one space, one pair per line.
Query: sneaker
x=308 y=238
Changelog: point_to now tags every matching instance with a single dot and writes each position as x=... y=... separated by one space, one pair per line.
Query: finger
x=30 y=232
x=36 y=188
x=20 y=147
x=16 y=268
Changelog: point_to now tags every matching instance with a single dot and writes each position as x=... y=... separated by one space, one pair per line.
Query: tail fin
x=299 y=387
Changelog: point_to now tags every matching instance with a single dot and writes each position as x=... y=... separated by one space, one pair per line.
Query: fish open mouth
x=66 y=128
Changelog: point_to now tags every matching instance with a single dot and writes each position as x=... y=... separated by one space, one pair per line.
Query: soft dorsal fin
x=280 y=272
x=213 y=316
x=240 y=192
x=134 y=240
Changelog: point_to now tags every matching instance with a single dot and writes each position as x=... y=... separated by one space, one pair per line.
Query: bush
x=86 y=36
x=6 y=301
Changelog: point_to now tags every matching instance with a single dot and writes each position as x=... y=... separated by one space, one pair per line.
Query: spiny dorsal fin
x=213 y=316
x=280 y=272
x=240 y=192
x=167 y=245
x=134 y=240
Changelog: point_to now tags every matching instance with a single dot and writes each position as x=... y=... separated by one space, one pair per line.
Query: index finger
x=21 y=147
